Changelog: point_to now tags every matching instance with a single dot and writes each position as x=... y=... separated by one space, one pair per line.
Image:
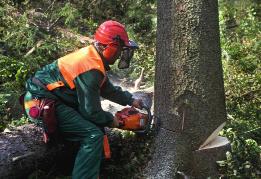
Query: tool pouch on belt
x=48 y=115
x=43 y=110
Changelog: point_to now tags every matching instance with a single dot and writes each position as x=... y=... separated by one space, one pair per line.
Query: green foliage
x=23 y=120
x=240 y=41
x=70 y=13
x=243 y=161
x=3 y=113
x=240 y=37
x=34 y=32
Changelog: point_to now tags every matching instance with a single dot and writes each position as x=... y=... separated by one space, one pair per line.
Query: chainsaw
x=134 y=120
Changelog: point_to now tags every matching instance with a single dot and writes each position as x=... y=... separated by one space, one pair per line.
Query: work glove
x=137 y=103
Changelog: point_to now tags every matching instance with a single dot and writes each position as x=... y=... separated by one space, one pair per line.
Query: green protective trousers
x=76 y=128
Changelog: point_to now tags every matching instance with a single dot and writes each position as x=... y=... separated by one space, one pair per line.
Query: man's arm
x=115 y=94
x=88 y=91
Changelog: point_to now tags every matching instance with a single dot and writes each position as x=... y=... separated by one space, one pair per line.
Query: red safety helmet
x=109 y=31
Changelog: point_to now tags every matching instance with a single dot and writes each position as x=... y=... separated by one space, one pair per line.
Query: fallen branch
x=137 y=82
x=53 y=23
x=23 y=156
x=38 y=44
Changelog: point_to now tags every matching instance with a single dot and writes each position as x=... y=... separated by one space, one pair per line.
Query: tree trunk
x=189 y=89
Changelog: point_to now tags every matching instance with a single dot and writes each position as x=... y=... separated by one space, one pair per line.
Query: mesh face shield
x=127 y=54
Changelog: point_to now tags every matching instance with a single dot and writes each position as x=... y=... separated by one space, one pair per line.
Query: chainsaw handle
x=137 y=103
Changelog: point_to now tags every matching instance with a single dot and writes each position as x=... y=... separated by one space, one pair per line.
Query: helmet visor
x=127 y=54
x=132 y=44
x=125 y=59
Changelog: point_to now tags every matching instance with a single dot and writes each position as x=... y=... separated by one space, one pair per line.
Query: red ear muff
x=110 y=51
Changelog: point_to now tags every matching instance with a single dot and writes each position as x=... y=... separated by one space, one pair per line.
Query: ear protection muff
x=110 y=51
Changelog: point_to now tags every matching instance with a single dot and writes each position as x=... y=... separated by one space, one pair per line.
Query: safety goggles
x=127 y=54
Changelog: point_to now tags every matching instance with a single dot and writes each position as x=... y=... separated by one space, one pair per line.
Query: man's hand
x=115 y=122
x=137 y=103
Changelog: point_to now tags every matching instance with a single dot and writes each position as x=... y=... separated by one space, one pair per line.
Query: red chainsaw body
x=131 y=119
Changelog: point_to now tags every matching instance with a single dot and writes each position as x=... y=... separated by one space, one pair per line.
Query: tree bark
x=189 y=89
